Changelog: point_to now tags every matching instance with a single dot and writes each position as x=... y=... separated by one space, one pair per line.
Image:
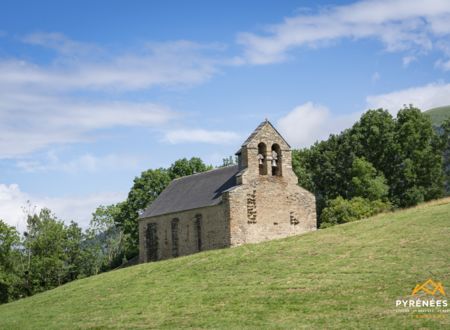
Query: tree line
x=50 y=253
x=378 y=164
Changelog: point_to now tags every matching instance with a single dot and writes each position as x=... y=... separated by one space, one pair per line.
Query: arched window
x=262 y=154
x=174 y=228
x=276 y=160
x=198 y=230
x=151 y=241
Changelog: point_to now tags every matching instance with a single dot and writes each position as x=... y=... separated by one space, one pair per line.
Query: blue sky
x=93 y=93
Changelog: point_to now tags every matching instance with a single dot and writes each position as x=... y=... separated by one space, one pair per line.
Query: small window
x=175 y=246
x=151 y=242
x=198 y=230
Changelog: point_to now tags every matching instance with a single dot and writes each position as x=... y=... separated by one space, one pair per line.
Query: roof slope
x=193 y=191
x=258 y=129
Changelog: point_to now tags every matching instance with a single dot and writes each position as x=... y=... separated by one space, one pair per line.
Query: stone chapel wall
x=176 y=234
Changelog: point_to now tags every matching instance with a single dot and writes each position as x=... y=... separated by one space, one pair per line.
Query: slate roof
x=193 y=191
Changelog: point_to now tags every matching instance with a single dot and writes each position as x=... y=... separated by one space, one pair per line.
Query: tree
x=184 y=167
x=9 y=254
x=445 y=142
x=374 y=139
x=300 y=167
x=419 y=172
x=229 y=161
x=367 y=182
x=403 y=155
x=104 y=240
x=325 y=168
x=53 y=252
x=74 y=252
x=145 y=190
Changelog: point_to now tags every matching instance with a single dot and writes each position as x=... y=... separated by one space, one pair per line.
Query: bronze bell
x=260 y=158
x=274 y=158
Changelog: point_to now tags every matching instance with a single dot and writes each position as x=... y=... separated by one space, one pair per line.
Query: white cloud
x=423 y=97
x=68 y=99
x=311 y=122
x=156 y=64
x=399 y=24
x=59 y=42
x=84 y=163
x=200 y=136
x=76 y=208
x=443 y=64
x=407 y=60
x=30 y=122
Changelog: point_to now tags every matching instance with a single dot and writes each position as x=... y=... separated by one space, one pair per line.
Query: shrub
x=340 y=210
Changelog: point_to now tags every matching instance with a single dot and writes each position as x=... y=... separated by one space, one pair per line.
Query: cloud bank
x=310 y=122
x=424 y=97
x=401 y=25
x=200 y=136
x=77 y=208
x=83 y=89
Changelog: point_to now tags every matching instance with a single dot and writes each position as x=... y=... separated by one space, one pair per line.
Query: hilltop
x=438 y=115
x=347 y=276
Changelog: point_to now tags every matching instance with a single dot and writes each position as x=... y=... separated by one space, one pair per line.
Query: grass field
x=439 y=115
x=346 y=277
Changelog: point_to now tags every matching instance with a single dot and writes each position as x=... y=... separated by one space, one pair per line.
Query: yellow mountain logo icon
x=429 y=287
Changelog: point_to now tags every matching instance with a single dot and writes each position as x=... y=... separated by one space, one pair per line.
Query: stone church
x=257 y=200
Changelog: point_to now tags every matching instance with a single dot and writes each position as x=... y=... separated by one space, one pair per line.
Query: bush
x=340 y=210
x=4 y=296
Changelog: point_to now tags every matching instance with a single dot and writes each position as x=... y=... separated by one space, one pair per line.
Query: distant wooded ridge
x=439 y=115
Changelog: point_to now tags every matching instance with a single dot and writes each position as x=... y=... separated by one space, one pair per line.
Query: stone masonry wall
x=280 y=210
x=259 y=208
x=267 y=207
x=214 y=232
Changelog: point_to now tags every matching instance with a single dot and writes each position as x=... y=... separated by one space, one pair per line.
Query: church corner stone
x=264 y=203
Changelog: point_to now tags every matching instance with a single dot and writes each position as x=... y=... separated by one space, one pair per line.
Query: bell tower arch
x=265 y=154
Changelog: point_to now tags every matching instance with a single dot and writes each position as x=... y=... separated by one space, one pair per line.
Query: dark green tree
x=445 y=142
x=184 y=167
x=104 y=239
x=300 y=161
x=373 y=137
x=366 y=182
x=419 y=172
x=52 y=252
x=74 y=252
x=9 y=259
x=146 y=189
x=403 y=153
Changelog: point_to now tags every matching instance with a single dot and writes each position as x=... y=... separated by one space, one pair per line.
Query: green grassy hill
x=438 y=115
x=347 y=276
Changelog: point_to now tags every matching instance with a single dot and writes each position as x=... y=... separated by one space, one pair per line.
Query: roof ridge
x=204 y=172
x=256 y=131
